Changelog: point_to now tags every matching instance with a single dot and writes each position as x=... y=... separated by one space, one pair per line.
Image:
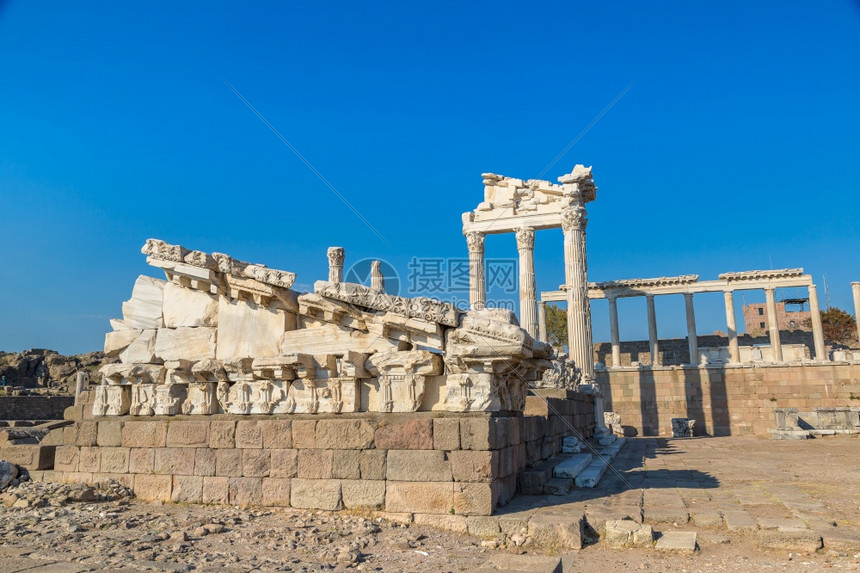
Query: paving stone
x=781 y=524
x=838 y=539
x=678 y=541
x=521 y=563
x=739 y=520
x=707 y=518
x=808 y=541
x=663 y=514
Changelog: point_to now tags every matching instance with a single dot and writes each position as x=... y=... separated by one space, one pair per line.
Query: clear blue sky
x=736 y=148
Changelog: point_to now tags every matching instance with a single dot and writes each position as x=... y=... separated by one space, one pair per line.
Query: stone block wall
x=420 y=463
x=34 y=407
x=724 y=400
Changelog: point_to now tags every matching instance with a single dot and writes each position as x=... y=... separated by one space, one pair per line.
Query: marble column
x=528 y=291
x=576 y=288
x=817 y=329
x=731 y=328
x=653 y=341
x=377 y=280
x=773 y=325
x=80 y=382
x=613 y=332
x=542 y=321
x=477 y=283
x=335 y=264
x=692 y=341
x=855 y=290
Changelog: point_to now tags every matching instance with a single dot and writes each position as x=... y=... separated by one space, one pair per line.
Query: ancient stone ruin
x=222 y=336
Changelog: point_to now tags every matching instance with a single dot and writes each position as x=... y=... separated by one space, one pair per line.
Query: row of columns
x=734 y=350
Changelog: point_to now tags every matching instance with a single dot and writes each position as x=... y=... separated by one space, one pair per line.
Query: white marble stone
x=247 y=329
x=118 y=340
x=196 y=343
x=189 y=307
x=143 y=310
x=141 y=350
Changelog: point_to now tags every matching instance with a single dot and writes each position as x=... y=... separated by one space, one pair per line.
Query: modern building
x=755 y=316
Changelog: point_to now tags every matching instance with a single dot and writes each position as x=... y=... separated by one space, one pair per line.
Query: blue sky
x=736 y=147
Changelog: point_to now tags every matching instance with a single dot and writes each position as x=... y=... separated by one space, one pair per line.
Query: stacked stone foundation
x=421 y=463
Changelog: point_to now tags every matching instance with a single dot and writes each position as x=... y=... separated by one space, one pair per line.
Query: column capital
x=688 y=295
x=526 y=238
x=335 y=256
x=475 y=241
x=769 y=290
x=574 y=218
x=649 y=296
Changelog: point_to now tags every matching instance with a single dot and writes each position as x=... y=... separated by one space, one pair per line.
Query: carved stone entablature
x=365 y=297
x=328 y=310
x=758 y=275
x=116 y=374
x=655 y=282
x=492 y=333
x=169 y=399
x=111 y=400
x=401 y=375
x=579 y=184
x=274 y=277
x=563 y=374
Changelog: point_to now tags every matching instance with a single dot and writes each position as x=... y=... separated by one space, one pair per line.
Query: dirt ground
x=52 y=528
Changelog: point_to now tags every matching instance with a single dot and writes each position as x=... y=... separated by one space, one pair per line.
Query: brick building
x=755 y=317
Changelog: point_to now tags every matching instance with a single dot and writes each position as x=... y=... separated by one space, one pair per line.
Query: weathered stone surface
x=284 y=463
x=277 y=434
x=474 y=466
x=800 y=541
x=245 y=491
x=204 y=462
x=343 y=434
x=188 y=307
x=628 y=533
x=222 y=434
x=475 y=498
x=143 y=310
x=249 y=434
x=141 y=350
x=118 y=340
x=228 y=463
x=248 y=329
x=153 y=487
x=412 y=435
x=315 y=464
x=188 y=489
x=572 y=466
x=141 y=460
x=557 y=531
x=114 y=460
x=446 y=434
x=477 y=434
x=109 y=433
x=363 y=494
x=188 y=433
x=483 y=526
x=174 y=461
x=419 y=497
x=276 y=492
x=66 y=458
x=678 y=541
x=373 y=464
x=346 y=464
x=315 y=493
x=528 y=563
x=304 y=434
x=418 y=465
x=256 y=463
x=216 y=490
x=180 y=343
x=455 y=523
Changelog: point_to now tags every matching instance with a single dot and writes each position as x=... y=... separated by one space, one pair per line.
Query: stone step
x=590 y=476
x=572 y=466
x=557 y=486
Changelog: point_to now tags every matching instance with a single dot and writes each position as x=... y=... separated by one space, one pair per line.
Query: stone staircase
x=579 y=465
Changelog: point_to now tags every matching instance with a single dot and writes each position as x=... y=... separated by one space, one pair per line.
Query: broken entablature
x=222 y=335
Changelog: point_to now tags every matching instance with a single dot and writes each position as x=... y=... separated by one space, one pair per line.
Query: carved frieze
x=366 y=297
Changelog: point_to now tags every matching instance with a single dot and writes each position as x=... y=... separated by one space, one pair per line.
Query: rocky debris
x=41 y=494
x=39 y=367
x=8 y=474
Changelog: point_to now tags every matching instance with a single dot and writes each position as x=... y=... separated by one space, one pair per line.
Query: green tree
x=838 y=326
x=556 y=325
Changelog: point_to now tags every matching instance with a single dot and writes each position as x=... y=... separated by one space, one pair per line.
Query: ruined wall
x=676 y=351
x=724 y=400
x=425 y=463
x=34 y=407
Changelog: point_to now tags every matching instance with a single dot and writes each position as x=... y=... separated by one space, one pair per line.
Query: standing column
x=773 y=325
x=528 y=294
x=335 y=264
x=855 y=290
x=573 y=222
x=692 y=341
x=613 y=332
x=542 y=321
x=731 y=327
x=377 y=279
x=477 y=284
x=817 y=329
x=79 y=385
x=653 y=343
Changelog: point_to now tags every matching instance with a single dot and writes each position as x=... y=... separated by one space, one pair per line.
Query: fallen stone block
x=557 y=532
x=628 y=533
x=571 y=467
x=678 y=541
x=808 y=541
x=521 y=563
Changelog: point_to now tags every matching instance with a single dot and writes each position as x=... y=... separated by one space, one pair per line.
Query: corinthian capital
x=526 y=238
x=573 y=218
x=335 y=256
x=475 y=241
